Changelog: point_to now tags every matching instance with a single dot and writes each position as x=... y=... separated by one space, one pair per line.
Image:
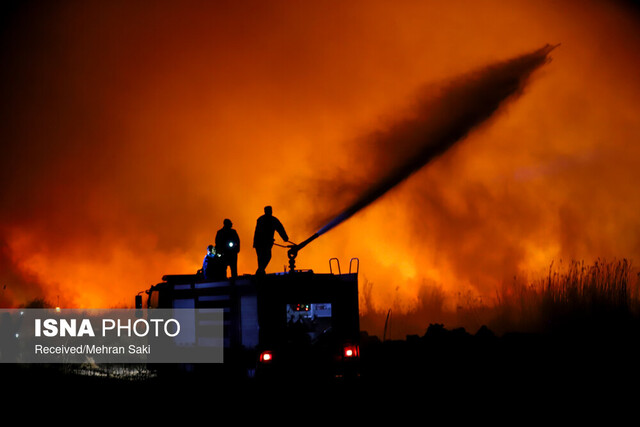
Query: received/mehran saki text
x=92 y=349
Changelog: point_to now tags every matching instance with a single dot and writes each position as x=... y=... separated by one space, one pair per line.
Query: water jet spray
x=464 y=105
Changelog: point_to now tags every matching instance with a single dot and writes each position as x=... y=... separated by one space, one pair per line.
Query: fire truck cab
x=293 y=323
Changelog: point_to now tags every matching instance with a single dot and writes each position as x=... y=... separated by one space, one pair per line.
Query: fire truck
x=293 y=323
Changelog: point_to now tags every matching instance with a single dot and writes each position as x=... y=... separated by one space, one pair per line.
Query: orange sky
x=132 y=129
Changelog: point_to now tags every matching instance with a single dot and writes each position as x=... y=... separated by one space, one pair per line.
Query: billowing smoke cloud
x=130 y=130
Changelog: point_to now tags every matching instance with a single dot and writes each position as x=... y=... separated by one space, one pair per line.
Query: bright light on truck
x=266 y=356
x=351 y=351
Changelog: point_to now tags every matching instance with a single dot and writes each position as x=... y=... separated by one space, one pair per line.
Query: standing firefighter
x=263 y=240
x=228 y=246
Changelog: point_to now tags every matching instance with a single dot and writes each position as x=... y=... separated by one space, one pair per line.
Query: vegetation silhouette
x=576 y=327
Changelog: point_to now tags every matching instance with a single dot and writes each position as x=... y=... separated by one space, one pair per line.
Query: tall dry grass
x=600 y=297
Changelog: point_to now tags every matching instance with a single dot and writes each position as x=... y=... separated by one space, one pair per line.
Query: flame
x=132 y=131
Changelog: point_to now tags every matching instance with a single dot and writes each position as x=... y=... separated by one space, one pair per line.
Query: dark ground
x=588 y=373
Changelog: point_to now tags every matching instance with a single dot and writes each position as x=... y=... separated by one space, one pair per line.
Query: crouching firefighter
x=212 y=266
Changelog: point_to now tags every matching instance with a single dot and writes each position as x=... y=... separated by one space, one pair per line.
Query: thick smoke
x=130 y=133
x=437 y=123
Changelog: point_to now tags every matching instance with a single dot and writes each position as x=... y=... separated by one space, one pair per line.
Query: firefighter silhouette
x=263 y=240
x=228 y=246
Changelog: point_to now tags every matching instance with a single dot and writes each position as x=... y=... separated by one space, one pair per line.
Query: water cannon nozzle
x=292 y=253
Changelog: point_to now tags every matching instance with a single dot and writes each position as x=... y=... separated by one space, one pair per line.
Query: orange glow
x=131 y=131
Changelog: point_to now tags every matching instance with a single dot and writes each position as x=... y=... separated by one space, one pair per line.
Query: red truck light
x=351 y=351
x=266 y=356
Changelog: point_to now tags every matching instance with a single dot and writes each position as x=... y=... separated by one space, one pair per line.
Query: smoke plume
x=131 y=130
